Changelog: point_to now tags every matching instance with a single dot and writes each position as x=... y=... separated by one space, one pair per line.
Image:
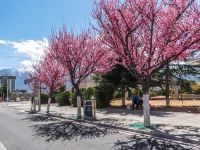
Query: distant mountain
x=20 y=77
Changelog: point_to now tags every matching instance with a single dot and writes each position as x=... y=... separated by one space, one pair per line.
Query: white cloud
x=2 y=42
x=31 y=48
x=27 y=65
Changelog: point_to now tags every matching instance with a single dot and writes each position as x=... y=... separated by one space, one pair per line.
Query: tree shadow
x=124 y=112
x=40 y=118
x=110 y=121
x=69 y=130
x=140 y=142
x=119 y=111
x=183 y=133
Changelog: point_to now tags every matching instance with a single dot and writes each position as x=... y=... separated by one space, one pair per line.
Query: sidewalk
x=121 y=116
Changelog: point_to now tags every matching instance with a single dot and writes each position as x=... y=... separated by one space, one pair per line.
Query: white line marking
x=2 y=147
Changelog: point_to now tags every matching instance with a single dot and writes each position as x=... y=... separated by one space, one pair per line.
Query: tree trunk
x=123 y=96
x=39 y=97
x=78 y=92
x=126 y=95
x=48 y=105
x=167 y=86
x=34 y=104
x=146 y=106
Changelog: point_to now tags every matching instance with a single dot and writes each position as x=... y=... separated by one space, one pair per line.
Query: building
x=8 y=81
x=88 y=82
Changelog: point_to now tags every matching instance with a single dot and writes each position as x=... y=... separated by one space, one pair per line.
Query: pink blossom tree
x=51 y=76
x=81 y=55
x=146 y=35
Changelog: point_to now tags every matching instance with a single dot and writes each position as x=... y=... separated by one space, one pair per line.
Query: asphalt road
x=18 y=133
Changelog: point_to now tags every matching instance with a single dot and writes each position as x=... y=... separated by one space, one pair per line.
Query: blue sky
x=25 y=26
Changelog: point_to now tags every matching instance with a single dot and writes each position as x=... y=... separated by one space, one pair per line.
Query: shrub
x=104 y=94
x=53 y=98
x=118 y=94
x=88 y=93
x=44 y=98
x=63 y=99
x=130 y=94
x=73 y=99
x=196 y=88
x=62 y=88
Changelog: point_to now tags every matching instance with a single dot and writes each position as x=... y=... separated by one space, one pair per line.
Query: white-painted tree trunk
x=39 y=97
x=146 y=110
x=48 y=105
x=34 y=105
x=78 y=107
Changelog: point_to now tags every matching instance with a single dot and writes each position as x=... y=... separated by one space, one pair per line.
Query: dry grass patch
x=161 y=103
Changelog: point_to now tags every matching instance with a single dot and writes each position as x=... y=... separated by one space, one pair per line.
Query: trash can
x=89 y=109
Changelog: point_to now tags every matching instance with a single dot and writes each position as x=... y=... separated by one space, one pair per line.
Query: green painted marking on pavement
x=140 y=125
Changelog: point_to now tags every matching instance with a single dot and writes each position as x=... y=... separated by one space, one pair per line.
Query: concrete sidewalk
x=122 y=116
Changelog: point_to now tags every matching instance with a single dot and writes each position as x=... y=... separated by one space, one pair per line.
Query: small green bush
x=130 y=94
x=104 y=94
x=62 y=89
x=53 y=98
x=44 y=98
x=63 y=99
x=73 y=99
x=88 y=93
x=118 y=94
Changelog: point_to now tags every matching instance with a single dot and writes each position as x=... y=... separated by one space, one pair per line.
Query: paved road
x=17 y=133
x=22 y=131
x=2 y=147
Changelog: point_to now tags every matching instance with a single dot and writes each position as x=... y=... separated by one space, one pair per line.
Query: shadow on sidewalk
x=69 y=130
x=183 y=133
x=124 y=112
x=77 y=130
x=140 y=142
x=110 y=121
x=40 y=118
